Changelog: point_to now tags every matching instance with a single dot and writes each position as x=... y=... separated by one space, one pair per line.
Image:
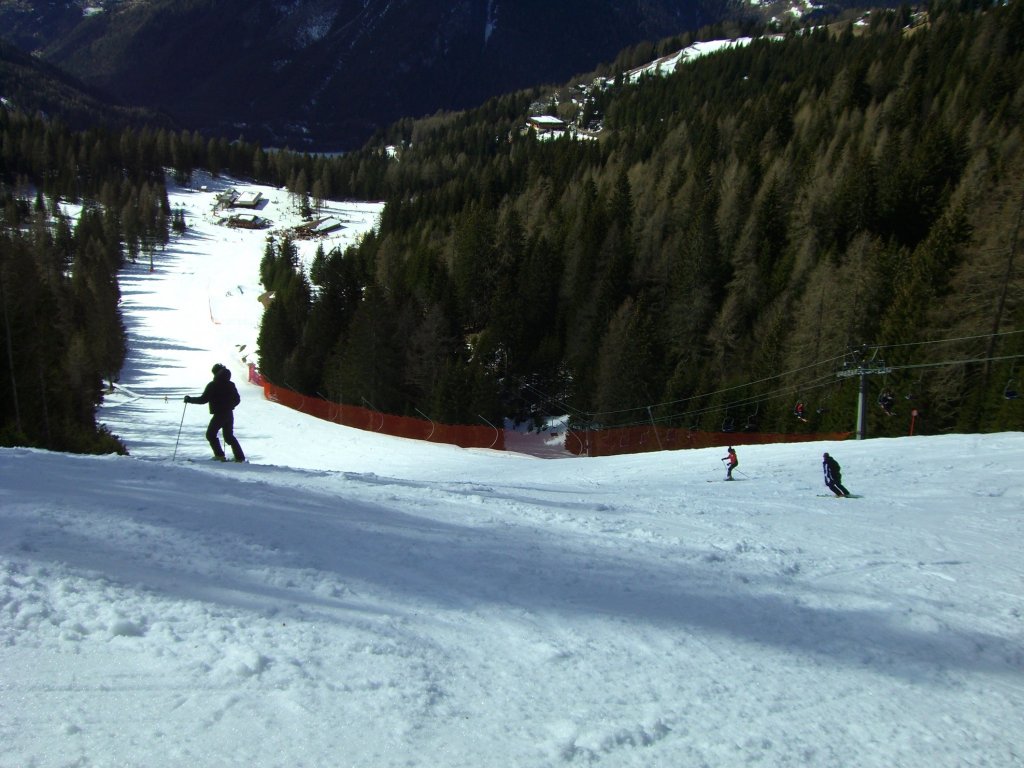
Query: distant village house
x=546 y=124
x=324 y=226
x=247 y=221
x=232 y=198
x=248 y=200
x=226 y=199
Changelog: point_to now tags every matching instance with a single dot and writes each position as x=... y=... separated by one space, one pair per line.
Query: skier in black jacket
x=833 y=476
x=222 y=395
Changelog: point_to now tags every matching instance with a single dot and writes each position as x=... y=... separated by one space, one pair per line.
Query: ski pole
x=179 y=432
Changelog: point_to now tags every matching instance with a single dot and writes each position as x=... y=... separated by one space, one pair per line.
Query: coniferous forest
x=739 y=234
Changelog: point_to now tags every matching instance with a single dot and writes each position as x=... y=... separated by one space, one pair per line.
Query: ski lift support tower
x=863 y=366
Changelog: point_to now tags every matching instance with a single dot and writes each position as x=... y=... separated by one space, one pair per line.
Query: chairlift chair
x=751 y=425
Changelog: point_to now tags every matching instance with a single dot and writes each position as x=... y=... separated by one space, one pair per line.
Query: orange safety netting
x=387 y=424
x=604 y=442
x=610 y=442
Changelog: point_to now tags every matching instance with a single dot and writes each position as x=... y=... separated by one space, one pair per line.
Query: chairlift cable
x=949 y=341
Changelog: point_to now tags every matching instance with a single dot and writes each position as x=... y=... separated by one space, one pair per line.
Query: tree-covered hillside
x=311 y=73
x=62 y=329
x=738 y=236
x=34 y=86
x=736 y=230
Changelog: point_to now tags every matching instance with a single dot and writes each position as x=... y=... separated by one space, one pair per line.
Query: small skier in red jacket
x=733 y=462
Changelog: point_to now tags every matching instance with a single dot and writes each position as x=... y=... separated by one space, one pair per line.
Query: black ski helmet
x=217 y=367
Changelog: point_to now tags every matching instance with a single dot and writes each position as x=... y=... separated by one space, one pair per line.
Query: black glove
x=188 y=399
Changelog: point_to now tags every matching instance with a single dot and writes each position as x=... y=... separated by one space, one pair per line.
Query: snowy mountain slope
x=354 y=599
x=446 y=612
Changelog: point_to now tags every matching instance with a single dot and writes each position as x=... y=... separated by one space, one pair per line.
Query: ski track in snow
x=353 y=599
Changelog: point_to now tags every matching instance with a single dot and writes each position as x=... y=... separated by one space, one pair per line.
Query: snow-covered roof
x=249 y=198
x=547 y=121
x=327 y=225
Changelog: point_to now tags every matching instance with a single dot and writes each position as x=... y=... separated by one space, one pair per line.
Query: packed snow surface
x=352 y=599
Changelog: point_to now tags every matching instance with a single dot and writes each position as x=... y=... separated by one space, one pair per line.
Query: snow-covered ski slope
x=350 y=599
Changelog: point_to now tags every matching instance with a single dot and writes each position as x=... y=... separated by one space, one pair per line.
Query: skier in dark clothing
x=888 y=402
x=733 y=462
x=833 y=476
x=222 y=395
